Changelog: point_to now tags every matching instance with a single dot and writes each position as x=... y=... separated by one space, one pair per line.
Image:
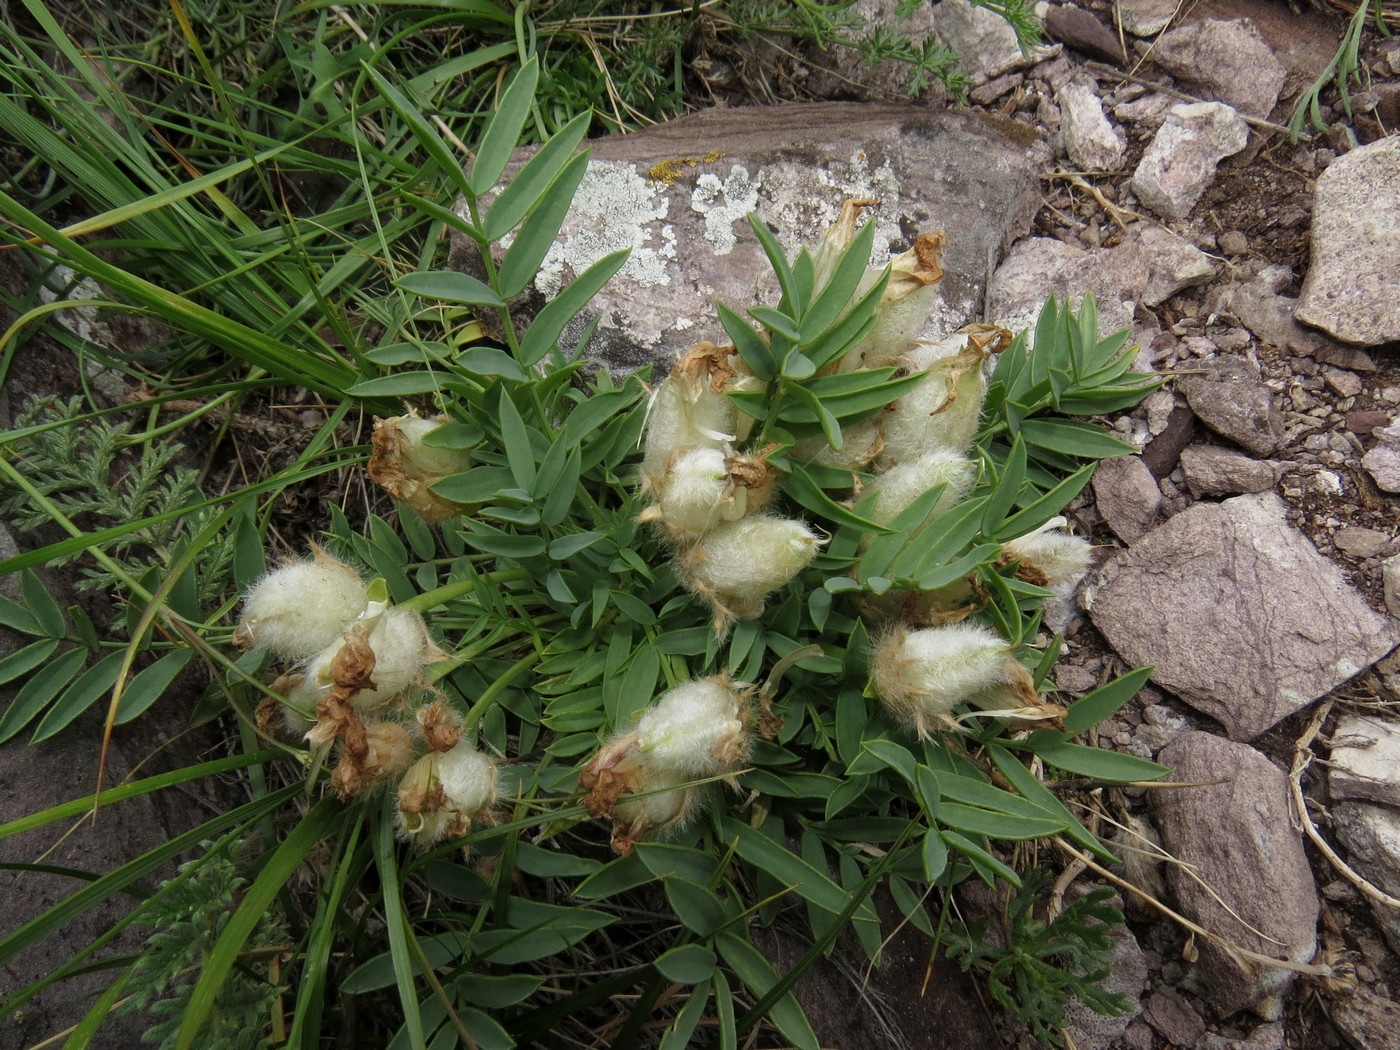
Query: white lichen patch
x=615 y=208
x=724 y=203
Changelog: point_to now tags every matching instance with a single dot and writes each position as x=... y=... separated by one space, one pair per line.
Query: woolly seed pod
x=443 y=793
x=299 y=609
x=941 y=412
x=905 y=482
x=695 y=731
x=738 y=564
x=405 y=465
x=921 y=676
x=1049 y=556
x=904 y=306
x=861 y=443
x=382 y=655
x=703 y=487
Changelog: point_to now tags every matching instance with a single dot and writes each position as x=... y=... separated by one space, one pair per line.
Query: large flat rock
x=1239 y=614
x=1243 y=872
x=1349 y=291
x=678 y=195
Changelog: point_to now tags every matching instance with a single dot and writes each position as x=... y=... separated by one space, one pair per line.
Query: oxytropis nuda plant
x=827 y=499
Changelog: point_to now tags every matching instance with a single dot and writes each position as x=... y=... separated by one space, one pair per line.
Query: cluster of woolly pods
x=450 y=788
x=356 y=659
x=406 y=463
x=644 y=778
x=922 y=676
x=709 y=499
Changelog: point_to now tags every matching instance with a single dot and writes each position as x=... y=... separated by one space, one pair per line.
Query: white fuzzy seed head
x=738 y=564
x=299 y=609
x=443 y=793
x=696 y=730
x=905 y=482
x=861 y=443
x=402 y=649
x=684 y=414
x=922 y=675
x=405 y=465
x=941 y=412
x=1049 y=556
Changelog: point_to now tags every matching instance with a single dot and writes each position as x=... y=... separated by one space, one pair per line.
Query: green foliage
x=1345 y=70
x=187 y=923
x=91 y=466
x=1045 y=965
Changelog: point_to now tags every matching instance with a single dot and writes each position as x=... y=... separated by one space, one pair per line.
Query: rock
x=1080 y=30
x=1233 y=242
x=1149 y=266
x=1271 y=1036
x=1180 y=161
x=678 y=194
x=1173 y=263
x=1365 y=760
x=1390 y=584
x=1270 y=316
x=1358 y=542
x=1146 y=17
x=982 y=38
x=1383 y=461
x=1349 y=290
x=1343 y=384
x=1351 y=358
x=1127 y=976
x=1092 y=143
x=1127 y=496
x=1239 y=613
x=1214 y=471
x=1367 y=1020
x=1365 y=422
x=1227 y=61
x=1242 y=848
x=1231 y=399
x=1370 y=833
x=1163 y=451
x=1173 y=1017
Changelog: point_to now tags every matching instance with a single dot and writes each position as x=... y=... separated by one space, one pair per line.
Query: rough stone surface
x=1149 y=266
x=1127 y=496
x=1350 y=286
x=1270 y=316
x=1224 y=60
x=1230 y=399
x=792 y=165
x=1365 y=761
x=1368 y=1020
x=1180 y=161
x=1079 y=29
x=1214 y=471
x=1358 y=542
x=1383 y=461
x=1370 y=834
x=1092 y=143
x=1243 y=848
x=1390 y=582
x=1239 y=613
x=983 y=39
x=1146 y=17
x=1175 y=1019
x=1271 y=1036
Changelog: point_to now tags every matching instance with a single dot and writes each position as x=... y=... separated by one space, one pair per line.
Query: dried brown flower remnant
x=444 y=793
x=406 y=466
